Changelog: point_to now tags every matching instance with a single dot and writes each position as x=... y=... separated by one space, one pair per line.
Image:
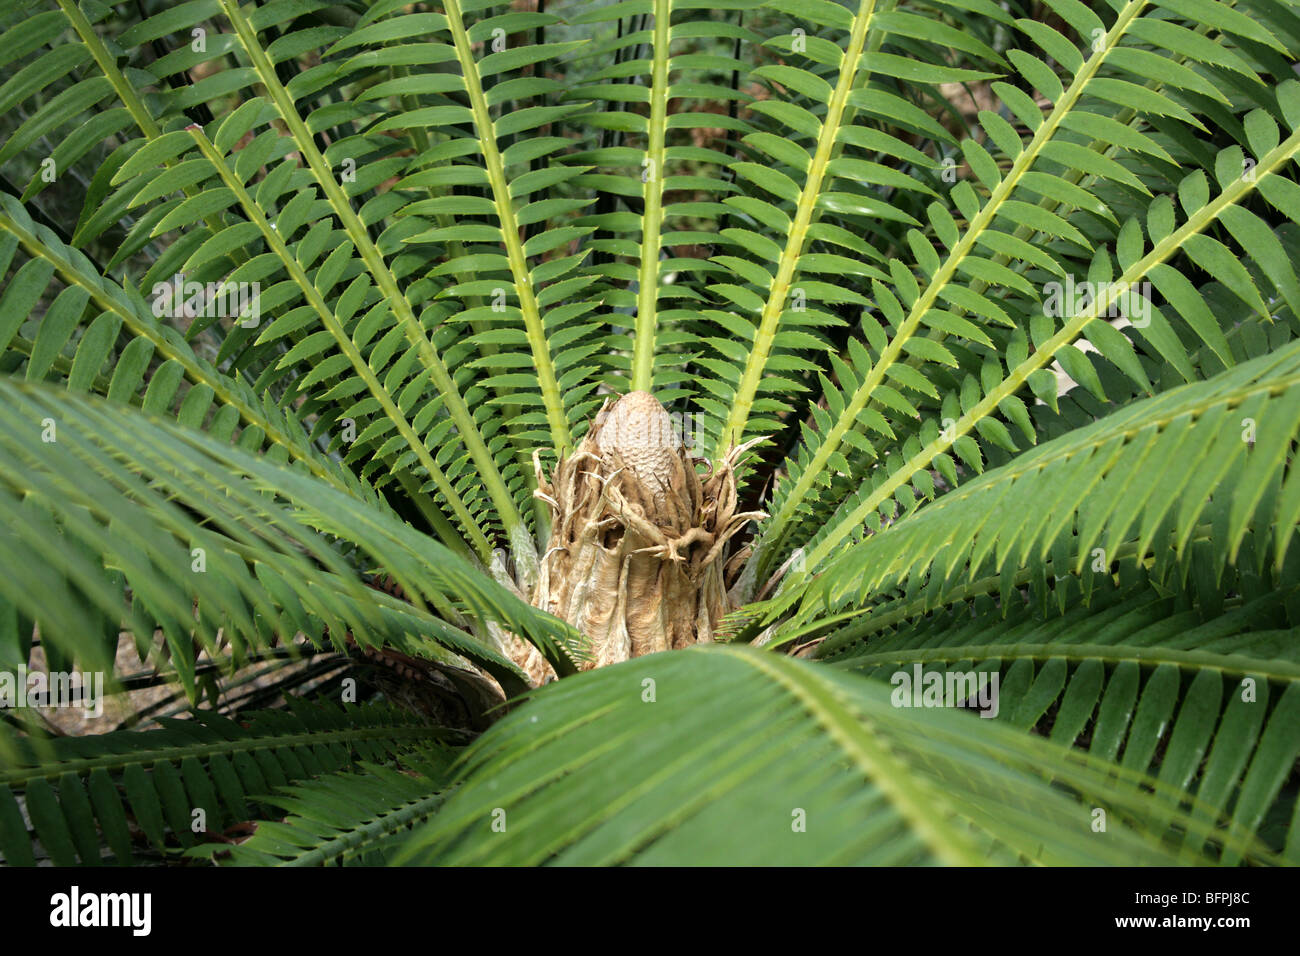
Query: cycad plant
x=900 y=395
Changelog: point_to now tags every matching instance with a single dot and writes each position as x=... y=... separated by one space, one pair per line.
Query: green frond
x=975 y=410
x=84 y=793
x=1203 y=700
x=343 y=818
x=100 y=500
x=100 y=310
x=794 y=763
x=1152 y=471
x=384 y=279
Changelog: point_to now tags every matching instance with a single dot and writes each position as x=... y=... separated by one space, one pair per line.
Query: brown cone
x=639 y=539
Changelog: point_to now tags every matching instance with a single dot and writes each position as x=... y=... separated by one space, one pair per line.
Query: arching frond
x=794 y=763
x=1217 y=451
x=98 y=502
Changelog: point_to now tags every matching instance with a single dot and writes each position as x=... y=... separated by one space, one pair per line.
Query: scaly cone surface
x=638 y=551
